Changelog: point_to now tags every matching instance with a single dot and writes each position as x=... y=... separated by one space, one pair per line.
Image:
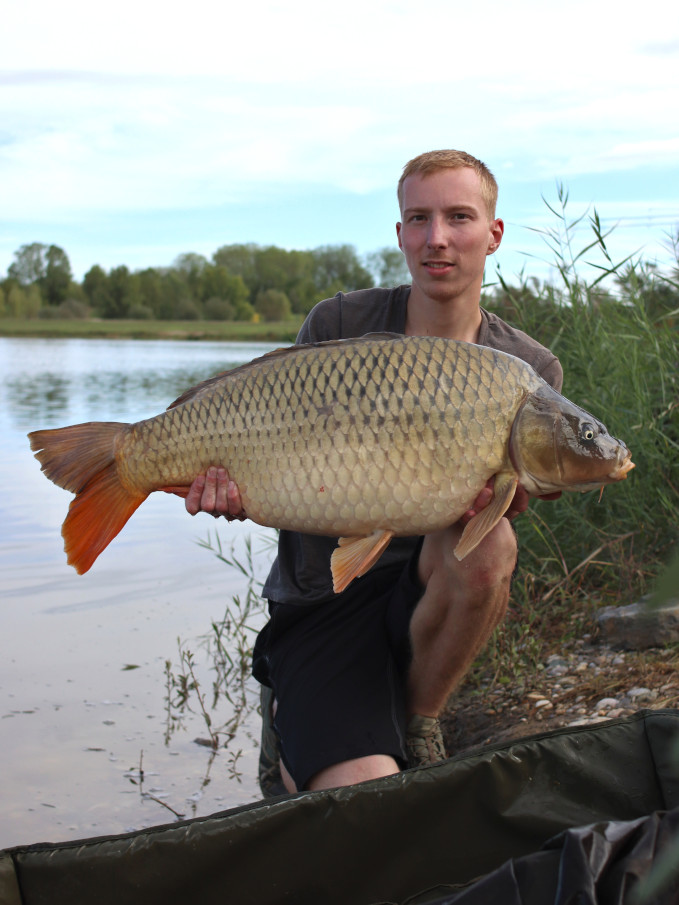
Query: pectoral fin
x=353 y=556
x=487 y=519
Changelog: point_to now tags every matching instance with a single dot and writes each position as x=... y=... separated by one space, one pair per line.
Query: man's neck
x=452 y=319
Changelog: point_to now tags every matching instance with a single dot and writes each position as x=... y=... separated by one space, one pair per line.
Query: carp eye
x=587 y=432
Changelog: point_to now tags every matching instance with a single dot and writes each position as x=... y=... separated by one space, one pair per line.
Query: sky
x=134 y=132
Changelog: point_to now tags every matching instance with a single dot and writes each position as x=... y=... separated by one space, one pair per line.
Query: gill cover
x=556 y=445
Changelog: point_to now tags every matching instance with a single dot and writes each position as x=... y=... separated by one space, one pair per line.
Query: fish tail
x=82 y=459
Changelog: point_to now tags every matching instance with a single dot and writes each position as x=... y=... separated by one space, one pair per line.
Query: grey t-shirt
x=301 y=572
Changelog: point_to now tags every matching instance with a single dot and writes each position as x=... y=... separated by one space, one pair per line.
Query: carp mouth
x=556 y=445
x=619 y=473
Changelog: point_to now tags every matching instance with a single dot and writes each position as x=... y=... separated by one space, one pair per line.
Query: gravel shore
x=586 y=683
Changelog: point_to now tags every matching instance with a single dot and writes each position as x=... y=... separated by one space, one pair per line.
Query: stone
x=640 y=625
x=640 y=695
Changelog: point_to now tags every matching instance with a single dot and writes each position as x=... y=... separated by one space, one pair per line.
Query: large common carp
x=360 y=439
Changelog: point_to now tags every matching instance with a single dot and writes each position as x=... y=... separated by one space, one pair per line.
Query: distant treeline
x=240 y=283
x=249 y=282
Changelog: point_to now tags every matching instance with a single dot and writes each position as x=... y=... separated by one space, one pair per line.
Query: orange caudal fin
x=81 y=458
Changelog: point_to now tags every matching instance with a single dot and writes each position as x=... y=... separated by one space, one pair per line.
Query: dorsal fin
x=199 y=388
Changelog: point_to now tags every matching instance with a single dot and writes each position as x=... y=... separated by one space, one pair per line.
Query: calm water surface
x=74 y=720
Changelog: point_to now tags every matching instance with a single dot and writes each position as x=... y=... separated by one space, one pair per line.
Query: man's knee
x=350 y=772
x=490 y=566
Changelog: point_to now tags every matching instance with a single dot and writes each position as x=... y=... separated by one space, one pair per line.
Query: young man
x=360 y=678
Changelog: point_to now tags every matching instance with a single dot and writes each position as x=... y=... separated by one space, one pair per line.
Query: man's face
x=446 y=234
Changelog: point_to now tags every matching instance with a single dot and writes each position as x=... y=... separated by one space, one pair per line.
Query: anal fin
x=353 y=556
x=483 y=523
x=178 y=489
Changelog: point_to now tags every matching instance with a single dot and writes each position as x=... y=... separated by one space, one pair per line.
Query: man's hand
x=518 y=505
x=215 y=493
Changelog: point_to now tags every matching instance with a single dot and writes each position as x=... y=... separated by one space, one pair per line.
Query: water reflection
x=105 y=379
x=66 y=638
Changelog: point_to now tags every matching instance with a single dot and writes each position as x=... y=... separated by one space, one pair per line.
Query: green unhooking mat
x=575 y=815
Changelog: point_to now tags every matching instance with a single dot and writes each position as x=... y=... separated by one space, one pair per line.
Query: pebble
x=584 y=684
x=561 y=673
x=641 y=694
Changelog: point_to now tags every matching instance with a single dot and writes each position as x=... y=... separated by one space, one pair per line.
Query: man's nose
x=436 y=237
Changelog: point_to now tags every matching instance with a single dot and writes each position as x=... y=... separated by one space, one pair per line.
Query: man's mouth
x=437 y=265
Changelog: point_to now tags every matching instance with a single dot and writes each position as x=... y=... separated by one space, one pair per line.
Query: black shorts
x=338 y=671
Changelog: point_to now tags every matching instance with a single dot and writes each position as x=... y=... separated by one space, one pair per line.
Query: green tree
x=95 y=287
x=219 y=282
x=191 y=267
x=23 y=301
x=151 y=284
x=33 y=303
x=337 y=267
x=172 y=295
x=45 y=266
x=304 y=295
x=290 y=272
x=16 y=301
x=30 y=264
x=239 y=260
x=121 y=293
x=58 y=277
x=388 y=266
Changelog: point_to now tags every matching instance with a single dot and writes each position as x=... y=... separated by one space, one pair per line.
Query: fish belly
x=343 y=438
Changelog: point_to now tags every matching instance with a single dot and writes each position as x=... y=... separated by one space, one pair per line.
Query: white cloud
x=147 y=108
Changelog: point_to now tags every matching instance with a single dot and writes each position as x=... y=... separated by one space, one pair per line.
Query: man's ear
x=497 y=229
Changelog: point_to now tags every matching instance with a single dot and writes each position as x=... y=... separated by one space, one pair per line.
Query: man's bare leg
x=346 y=773
x=462 y=605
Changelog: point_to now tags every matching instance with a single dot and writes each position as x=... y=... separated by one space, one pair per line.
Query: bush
x=70 y=309
x=75 y=309
x=139 y=312
x=273 y=305
x=186 y=310
x=244 y=311
x=217 y=309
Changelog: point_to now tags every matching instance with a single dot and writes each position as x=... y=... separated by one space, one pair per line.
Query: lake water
x=74 y=721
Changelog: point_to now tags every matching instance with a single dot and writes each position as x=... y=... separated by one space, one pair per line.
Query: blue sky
x=132 y=133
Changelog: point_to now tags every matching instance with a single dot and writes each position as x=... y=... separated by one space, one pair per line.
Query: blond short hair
x=431 y=161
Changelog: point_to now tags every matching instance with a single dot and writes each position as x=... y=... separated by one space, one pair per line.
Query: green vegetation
x=96 y=328
x=226 y=648
x=244 y=284
x=619 y=348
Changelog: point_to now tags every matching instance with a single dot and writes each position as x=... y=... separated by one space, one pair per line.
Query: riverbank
x=579 y=681
x=97 y=328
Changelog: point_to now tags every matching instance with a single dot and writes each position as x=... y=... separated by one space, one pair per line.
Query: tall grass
x=619 y=348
